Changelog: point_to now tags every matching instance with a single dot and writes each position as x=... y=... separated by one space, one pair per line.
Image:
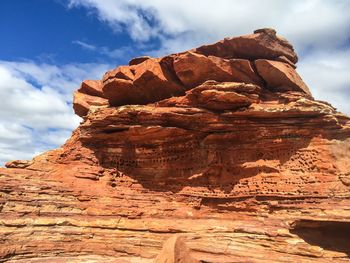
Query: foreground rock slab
x=217 y=154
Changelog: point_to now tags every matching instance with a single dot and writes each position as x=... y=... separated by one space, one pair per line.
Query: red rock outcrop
x=193 y=69
x=280 y=76
x=218 y=154
x=263 y=44
x=89 y=94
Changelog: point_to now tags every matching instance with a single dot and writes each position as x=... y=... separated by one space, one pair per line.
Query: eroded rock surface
x=280 y=76
x=218 y=154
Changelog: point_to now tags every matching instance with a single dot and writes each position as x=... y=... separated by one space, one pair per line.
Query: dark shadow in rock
x=197 y=159
x=174 y=151
x=329 y=235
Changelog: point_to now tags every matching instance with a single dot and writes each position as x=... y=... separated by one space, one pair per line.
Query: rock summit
x=216 y=154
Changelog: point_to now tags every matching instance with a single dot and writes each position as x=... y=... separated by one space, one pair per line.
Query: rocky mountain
x=216 y=154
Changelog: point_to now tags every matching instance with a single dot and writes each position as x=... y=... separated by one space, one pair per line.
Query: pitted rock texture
x=217 y=154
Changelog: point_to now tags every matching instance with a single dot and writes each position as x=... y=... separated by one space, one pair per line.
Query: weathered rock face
x=280 y=76
x=89 y=94
x=218 y=154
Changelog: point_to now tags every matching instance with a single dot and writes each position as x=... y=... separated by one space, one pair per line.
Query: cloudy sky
x=48 y=47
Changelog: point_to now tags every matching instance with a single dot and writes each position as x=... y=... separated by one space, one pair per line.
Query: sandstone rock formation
x=217 y=154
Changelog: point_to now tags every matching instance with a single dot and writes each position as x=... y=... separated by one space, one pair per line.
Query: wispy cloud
x=84 y=45
x=117 y=53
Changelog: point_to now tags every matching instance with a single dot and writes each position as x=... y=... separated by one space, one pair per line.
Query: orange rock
x=194 y=69
x=286 y=60
x=122 y=72
x=151 y=81
x=175 y=251
x=156 y=81
x=138 y=60
x=82 y=103
x=263 y=44
x=122 y=92
x=280 y=76
x=91 y=87
x=223 y=96
x=224 y=171
x=18 y=164
x=148 y=80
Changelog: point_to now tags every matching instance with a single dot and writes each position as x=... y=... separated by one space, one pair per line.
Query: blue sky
x=49 y=46
x=50 y=31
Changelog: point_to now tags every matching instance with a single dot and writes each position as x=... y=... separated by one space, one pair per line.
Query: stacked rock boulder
x=216 y=154
x=263 y=59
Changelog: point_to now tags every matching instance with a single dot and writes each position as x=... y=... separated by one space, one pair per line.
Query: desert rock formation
x=217 y=154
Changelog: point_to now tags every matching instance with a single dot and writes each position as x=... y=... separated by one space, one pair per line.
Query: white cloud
x=60 y=79
x=35 y=111
x=121 y=14
x=320 y=23
x=57 y=137
x=17 y=142
x=327 y=75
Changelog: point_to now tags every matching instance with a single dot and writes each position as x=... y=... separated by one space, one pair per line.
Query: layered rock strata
x=217 y=154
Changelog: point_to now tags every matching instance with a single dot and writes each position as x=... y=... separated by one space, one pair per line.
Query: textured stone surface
x=89 y=94
x=225 y=171
x=194 y=69
x=83 y=102
x=263 y=44
x=91 y=87
x=138 y=60
x=147 y=82
x=175 y=250
x=280 y=76
x=248 y=59
x=219 y=96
